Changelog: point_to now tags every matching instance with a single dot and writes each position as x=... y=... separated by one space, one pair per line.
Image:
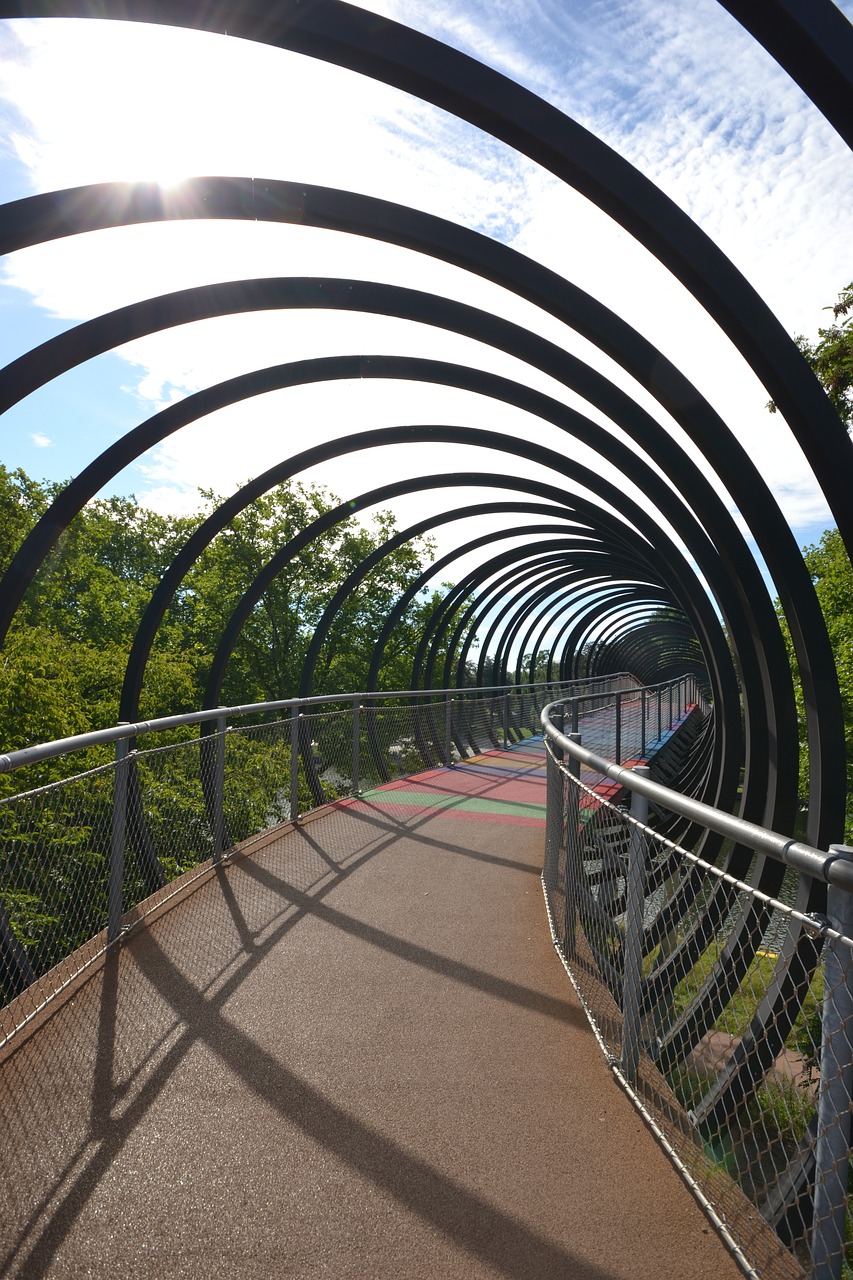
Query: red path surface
x=353 y=1053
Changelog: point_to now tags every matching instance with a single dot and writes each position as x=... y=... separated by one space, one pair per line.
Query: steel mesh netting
x=523 y=716
x=617 y=723
x=719 y=959
x=607 y=729
x=325 y=758
x=597 y=724
x=260 y=761
x=595 y=704
x=54 y=871
x=477 y=725
x=826 y=1143
x=399 y=740
x=56 y=839
x=169 y=814
x=256 y=782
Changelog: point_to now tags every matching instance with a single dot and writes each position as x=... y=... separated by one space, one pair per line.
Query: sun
x=168 y=180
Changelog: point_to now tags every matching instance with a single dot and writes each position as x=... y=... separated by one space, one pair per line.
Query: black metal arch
x=620 y=567
x=346 y=294
x=820 y=749
x=814 y=43
x=351 y=583
x=532 y=642
x=62 y=213
x=533 y=573
x=386 y=493
x=657 y=650
x=570 y=560
x=610 y=570
x=508 y=392
x=220 y=518
x=685 y=476
x=396 y=55
x=727 y=736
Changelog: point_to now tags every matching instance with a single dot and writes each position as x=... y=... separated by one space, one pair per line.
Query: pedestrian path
x=508 y=785
x=351 y=1051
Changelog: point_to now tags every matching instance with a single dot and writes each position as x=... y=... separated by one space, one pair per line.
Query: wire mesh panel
x=479 y=722
x=81 y=852
x=169 y=824
x=257 y=774
x=54 y=873
x=523 y=716
x=725 y=1041
x=404 y=739
x=827 y=1048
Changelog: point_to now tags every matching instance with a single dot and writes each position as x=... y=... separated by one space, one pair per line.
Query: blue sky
x=680 y=90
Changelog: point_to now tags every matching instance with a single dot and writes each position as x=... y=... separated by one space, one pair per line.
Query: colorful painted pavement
x=509 y=785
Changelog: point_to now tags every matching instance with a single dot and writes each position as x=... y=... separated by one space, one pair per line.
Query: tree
x=62 y=666
x=831 y=357
x=832 y=575
x=267 y=661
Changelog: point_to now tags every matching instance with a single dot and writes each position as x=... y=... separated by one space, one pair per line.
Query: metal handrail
x=831 y=868
x=17 y=759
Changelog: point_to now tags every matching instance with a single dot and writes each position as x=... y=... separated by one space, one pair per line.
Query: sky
x=681 y=91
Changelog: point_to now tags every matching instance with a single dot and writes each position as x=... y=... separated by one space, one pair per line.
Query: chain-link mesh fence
x=78 y=853
x=54 y=873
x=728 y=1009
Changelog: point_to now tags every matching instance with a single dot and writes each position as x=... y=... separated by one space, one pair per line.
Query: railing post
x=558 y=721
x=617 y=746
x=219 y=792
x=506 y=719
x=832 y=1149
x=574 y=861
x=356 y=748
x=575 y=713
x=660 y=714
x=635 y=904
x=680 y=692
x=642 y=724
x=448 y=731
x=554 y=816
x=669 y=726
x=294 y=764
x=117 y=836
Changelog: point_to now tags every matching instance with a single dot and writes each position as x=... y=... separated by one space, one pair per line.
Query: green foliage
x=831 y=357
x=63 y=665
x=832 y=575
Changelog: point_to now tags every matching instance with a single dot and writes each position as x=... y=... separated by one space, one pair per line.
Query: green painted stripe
x=436 y=800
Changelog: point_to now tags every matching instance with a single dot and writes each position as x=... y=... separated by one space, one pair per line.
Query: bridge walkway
x=352 y=1052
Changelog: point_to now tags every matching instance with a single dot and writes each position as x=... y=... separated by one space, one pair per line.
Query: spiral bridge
x=683 y=568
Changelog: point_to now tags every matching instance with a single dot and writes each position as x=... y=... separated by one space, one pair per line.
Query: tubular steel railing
x=105 y=826
x=726 y=1010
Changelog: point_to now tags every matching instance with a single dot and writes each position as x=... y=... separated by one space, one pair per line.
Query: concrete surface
x=352 y=1054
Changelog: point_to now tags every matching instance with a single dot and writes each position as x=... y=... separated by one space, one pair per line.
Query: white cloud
x=681 y=91
x=40 y=441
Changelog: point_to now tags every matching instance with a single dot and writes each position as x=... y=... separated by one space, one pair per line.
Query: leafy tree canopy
x=63 y=663
x=832 y=575
x=831 y=357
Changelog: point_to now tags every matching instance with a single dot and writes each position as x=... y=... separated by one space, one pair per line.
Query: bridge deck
x=352 y=1053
